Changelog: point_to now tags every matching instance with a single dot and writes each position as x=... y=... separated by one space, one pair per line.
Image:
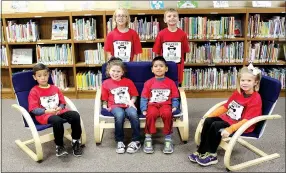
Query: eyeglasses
x=121 y=16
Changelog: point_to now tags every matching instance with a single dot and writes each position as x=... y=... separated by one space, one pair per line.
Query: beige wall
x=39 y=6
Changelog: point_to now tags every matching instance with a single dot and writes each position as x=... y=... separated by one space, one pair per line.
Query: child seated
x=159 y=98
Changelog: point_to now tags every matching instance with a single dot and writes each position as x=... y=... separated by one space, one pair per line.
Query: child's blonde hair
x=170 y=10
x=115 y=61
x=127 y=17
x=254 y=71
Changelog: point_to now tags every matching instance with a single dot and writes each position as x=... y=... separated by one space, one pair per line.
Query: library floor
x=104 y=158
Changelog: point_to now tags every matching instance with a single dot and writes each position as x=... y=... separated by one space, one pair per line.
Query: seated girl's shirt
x=118 y=93
x=123 y=45
x=240 y=108
x=46 y=98
x=160 y=91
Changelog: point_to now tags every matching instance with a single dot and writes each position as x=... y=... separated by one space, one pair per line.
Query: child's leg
x=119 y=117
x=151 y=117
x=167 y=117
x=73 y=118
x=210 y=136
x=132 y=115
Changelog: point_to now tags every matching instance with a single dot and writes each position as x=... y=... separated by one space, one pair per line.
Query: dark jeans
x=57 y=121
x=210 y=136
x=119 y=118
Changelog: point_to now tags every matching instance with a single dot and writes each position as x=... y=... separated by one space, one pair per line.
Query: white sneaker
x=133 y=147
x=120 y=148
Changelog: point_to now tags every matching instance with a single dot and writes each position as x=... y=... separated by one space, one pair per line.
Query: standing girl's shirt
x=123 y=45
x=47 y=98
x=118 y=93
x=172 y=46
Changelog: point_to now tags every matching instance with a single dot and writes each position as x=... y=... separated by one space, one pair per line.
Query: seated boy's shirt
x=173 y=46
x=240 y=108
x=46 y=98
x=118 y=93
x=160 y=91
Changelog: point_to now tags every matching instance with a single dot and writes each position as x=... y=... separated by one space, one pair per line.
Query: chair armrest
x=184 y=105
x=97 y=106
x=70 y=104
x=25 y=114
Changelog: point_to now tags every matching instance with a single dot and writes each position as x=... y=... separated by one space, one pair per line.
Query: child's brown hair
x=170 y=10
x=40 y=66
x=115 y=61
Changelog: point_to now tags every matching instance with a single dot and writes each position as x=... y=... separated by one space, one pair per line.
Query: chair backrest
x=140 y=72
x=23 y=82
x=269 y=91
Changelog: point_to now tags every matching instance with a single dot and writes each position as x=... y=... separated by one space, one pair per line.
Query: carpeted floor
x=103 y=158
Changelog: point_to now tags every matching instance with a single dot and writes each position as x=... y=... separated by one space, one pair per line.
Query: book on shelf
x=2 y=32
x=88 y=80
x=147 y=55
x=84 y=29
x=57 y=54
x=4 y=60
x=60 y=30
x=22 y=56
x=59 y=78
x=277 y=73
x=95 y=56
x=263 y=52
x=237 y=28
x=22 y=32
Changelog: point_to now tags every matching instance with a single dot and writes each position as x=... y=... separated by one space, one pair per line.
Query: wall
x=39 y=6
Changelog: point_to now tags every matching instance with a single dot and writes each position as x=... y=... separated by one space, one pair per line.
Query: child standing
x=159 y=98
x=122 y=42
x=119 y=95
x=47 y=103
x=172 y=42
x=244 y=104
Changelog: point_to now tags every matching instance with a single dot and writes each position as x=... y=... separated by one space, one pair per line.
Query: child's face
x=171 y=18
x=159 y=68
x=247 y=82
x=120 y=18
x=42 y=77
x=116 y=72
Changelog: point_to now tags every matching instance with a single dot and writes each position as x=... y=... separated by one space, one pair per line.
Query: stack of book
x=4 y=60
x=59 y=78
x=88 y=80
x=84 y=29
x=262 y=52
x=95 y=56
x=147 y=55
x=22 y=32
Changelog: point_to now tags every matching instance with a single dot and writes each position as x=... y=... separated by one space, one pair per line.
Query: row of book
x=145 y=29
x=264 y=52
x=22 y=32
x=95 y=56
x=204 y=28
x=84 y=29
x=58 y=54
x=4 y=60
x=59 y=78
x=269 y=28
x=218 y=78
x=220 y=52
x=88 y=80
x=147 y=55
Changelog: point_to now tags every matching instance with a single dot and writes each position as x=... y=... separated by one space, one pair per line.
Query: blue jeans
x=119 y=118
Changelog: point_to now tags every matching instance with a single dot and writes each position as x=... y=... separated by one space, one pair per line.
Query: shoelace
x=203 y=156
x=121 y=145
x=133 y=145
x=148 y=144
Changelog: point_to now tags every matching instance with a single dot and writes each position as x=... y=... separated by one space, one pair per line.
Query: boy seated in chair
x=159 y=98
x=47 y=104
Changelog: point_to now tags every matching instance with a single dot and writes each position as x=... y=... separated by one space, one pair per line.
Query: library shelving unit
x=78 y=47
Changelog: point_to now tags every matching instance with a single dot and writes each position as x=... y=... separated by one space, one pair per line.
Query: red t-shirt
x=173 y=46
x=123 y=45
x=160 y=91
x=240 y=108
x=118 y=93
x=47 y=98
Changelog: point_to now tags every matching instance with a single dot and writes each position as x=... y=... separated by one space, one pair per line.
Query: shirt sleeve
x=108 y=43
x=230 y=99
x=146 y=90
x=104 y=92
x=157 y=48
x=137 y=44
x=174 y=89
x=186 y=47
x=33 y=100
x=61 y=97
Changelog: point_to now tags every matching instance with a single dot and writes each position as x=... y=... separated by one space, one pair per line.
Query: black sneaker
x=77 y=150
x=61 y=151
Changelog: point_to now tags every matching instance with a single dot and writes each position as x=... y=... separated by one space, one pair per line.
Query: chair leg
x=184 y=133
x=98 y=132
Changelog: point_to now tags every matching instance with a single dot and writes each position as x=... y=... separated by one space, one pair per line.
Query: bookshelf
x=100 y=18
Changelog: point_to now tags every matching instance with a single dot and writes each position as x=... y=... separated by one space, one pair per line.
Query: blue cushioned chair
x=140 y=72
x=269 y=92
x=23 y=82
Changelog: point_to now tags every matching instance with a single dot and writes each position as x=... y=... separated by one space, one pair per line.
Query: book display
x=71 y=44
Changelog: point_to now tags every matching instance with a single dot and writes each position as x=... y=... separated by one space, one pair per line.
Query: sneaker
x=207 y=159
x=168 y=147
x=148 y=148
x=61 y=151
x=77 y=150
x=133 y=147
x=120 y=148
x=194 y=156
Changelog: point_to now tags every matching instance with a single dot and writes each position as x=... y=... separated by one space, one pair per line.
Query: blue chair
x=23 y=82
x=140 y=72
x=269 y=99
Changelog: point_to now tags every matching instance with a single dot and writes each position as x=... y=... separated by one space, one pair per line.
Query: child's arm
x=157 y=48
x=137 y=46
x=144 y=98
x=104 y=96
x=108 y=55
x=175 y=96
x=175 y=104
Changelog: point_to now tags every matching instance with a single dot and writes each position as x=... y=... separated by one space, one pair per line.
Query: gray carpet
x=104 y=158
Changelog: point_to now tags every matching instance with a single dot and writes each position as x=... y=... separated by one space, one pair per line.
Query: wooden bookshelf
x=44 y=20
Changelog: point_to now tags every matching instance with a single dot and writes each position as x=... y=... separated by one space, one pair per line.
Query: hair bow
x=255 y=71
